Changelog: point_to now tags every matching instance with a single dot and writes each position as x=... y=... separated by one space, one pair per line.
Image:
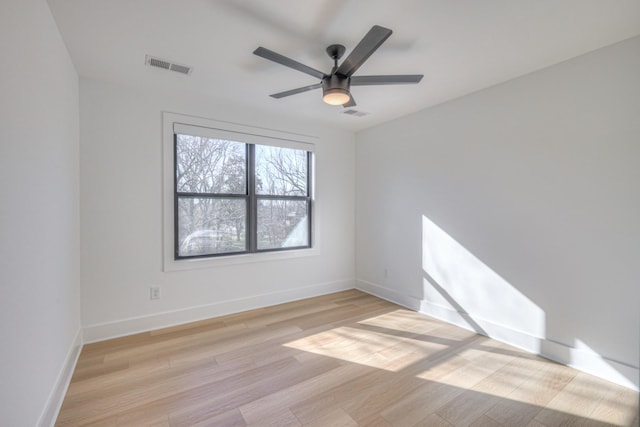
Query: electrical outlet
x=154 y=292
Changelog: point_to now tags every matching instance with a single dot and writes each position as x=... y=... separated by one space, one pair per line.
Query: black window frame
x=252 y=199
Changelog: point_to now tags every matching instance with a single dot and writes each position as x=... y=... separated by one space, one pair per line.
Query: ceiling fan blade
x=288 y=62
x=386 y=80
x=370 y=42
x=351 y=103
x=294 y=91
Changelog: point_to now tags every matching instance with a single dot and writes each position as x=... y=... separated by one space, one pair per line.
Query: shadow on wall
x=459 y=288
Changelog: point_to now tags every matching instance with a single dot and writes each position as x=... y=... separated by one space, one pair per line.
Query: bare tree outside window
x=281 y=171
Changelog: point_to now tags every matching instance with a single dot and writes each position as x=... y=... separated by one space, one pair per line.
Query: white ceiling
x=460 y=46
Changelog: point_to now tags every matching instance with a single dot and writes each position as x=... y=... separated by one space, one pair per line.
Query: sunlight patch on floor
x=391 y=341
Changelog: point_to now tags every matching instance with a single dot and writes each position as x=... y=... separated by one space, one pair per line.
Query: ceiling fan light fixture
x=336 y=96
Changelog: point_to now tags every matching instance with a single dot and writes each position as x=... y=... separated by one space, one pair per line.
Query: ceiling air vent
x=355 y=113
x=166 y=65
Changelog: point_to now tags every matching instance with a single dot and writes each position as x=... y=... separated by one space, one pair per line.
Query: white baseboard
x=579 y=358
x=133 y=325
x=390 y=295
x=56 y=397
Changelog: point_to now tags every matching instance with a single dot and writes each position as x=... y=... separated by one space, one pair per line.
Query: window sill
x=223 y=261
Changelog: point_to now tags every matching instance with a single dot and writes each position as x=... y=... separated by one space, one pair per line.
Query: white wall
x=515 y=211
x=39 y=215
x=121 y=188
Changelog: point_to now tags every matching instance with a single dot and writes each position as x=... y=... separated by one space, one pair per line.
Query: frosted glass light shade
x=336 y=96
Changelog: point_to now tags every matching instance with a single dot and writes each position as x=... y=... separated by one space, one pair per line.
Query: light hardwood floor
x=346 y=359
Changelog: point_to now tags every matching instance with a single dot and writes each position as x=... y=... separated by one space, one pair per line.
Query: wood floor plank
x=433 y=420
x=334 y=418
x=292 y=396
x=343 y=359
x=362 y=396
x=252 y=388
x=614 y=406
x=231 y=418
x=484 y=421
x=603 y=404
x=525 y=402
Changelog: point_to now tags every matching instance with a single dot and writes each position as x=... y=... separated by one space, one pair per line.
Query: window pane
x=205 y=165
x=282 y=224
x=281 y=171
x=211 y=226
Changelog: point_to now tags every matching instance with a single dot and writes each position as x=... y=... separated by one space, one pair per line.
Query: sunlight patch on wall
x=457 y=280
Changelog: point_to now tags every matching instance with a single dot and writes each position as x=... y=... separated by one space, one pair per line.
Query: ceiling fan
x=337 y=84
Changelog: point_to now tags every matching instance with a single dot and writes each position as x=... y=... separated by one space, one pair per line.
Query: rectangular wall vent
x=166 y=65
x=355 y=113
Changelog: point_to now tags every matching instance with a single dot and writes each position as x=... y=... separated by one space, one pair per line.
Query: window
x=239 y=193
x=282 y=197
x=211 y=198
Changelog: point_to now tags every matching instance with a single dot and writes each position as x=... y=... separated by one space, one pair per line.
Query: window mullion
x=272 y=197
x=212 y=195
x=309 y=198
x=252 y=206
x=176 y=243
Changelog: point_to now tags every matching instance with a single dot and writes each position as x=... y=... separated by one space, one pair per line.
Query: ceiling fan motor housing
x=335 y=82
